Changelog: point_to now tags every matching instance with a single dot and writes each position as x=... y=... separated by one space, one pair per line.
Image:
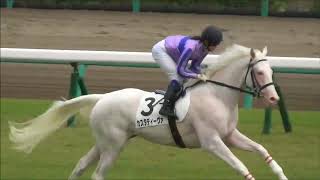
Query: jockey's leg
x=84 y=163
x=170 y=98
x=215 y=145
x=239 y=140
x=168 y=66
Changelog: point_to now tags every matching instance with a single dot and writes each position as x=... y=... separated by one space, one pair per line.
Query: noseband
x=255 y=90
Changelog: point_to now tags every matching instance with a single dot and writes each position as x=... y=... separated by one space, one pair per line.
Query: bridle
x=256 y=87
x=255 y=90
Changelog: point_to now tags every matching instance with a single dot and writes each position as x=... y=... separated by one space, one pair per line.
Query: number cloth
x=148 y=115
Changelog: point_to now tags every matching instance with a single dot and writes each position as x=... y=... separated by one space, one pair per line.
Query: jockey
x=173 y=54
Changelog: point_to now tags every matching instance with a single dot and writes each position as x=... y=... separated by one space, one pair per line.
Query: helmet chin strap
x=206 y=44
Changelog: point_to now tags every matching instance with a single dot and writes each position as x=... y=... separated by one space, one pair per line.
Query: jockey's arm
x=183 y=63
x=196 y=65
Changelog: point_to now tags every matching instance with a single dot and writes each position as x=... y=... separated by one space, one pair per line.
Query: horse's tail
x=27 y=135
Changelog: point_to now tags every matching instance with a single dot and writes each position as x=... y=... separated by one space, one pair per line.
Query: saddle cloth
x=148 y=115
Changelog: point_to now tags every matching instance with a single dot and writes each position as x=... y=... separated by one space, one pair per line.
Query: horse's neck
x=235 y=62
x=233 y=74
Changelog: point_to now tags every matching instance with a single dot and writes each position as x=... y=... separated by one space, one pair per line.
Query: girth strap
x=175 y=132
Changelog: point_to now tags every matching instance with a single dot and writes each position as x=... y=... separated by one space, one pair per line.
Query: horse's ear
x=265 y=51
x=253 y=55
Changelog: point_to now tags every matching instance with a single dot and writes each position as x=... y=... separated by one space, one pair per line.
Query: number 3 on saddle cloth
x=148 y=115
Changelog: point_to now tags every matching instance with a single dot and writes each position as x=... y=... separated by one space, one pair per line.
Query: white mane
x=232 y=53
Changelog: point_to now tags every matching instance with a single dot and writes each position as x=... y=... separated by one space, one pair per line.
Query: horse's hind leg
x=240 y=141
x=106 y=160
x=84 y=163
x=110 y=145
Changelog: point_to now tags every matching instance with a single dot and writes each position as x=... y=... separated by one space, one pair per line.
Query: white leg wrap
x=249 y=177
x=268 y=159
x=277 y=170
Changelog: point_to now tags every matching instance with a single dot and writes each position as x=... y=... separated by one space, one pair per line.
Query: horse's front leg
x=215 y=145
x=239 y=140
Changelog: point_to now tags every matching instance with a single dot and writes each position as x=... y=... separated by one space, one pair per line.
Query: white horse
x=210 y=122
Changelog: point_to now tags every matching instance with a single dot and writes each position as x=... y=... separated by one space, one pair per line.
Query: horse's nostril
x=272 y=99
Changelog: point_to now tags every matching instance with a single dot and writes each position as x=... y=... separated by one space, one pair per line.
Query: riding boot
x=170 y=98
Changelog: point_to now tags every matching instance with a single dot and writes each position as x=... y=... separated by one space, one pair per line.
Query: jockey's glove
x=202 y=77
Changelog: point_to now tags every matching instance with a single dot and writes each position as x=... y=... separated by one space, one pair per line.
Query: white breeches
x=166 y=63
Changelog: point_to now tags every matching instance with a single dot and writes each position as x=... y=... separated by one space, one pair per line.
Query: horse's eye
x=260 y=73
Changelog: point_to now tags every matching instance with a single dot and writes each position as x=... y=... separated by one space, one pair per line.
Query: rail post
x=264 y=8
x=247 y=101
x=135 y=6
x=283 y=111
x=267 y=121
x=10 y=3
x=82 y=86
x=77 y=86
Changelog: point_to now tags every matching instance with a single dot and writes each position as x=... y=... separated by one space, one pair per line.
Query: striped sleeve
x=183 y=63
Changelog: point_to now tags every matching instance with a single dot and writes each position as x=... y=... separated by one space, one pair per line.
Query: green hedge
x=249 y=7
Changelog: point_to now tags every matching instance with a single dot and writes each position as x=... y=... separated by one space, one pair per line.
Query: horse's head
x=261 y=76
x=231 y=63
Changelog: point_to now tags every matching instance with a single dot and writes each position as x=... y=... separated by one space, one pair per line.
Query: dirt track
x=104 y=30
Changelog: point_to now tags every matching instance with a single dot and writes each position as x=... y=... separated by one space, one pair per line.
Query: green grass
x=298 y=152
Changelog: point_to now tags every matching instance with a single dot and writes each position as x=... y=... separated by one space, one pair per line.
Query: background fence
x=306 y=8
x=142 y=59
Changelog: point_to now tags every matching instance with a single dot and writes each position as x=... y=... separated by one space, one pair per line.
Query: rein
x=222 y=84
x=254 y=91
